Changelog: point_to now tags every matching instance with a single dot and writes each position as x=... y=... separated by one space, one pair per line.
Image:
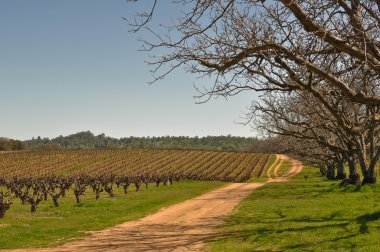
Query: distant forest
x=11 y=144
x=87 y=140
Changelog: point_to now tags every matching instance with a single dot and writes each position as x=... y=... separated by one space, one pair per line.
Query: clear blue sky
x=68 y=66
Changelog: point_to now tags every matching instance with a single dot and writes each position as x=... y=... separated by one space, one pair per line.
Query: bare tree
x=5 y=203
x=342 y=135
x=258 y=45
x=322 y=53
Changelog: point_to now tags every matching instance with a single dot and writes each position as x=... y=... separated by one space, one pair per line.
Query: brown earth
x=181 y=227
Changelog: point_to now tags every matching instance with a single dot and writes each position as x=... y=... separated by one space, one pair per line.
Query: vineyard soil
x=181 y=227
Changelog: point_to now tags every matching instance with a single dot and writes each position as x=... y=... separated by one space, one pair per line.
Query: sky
x=70 y=66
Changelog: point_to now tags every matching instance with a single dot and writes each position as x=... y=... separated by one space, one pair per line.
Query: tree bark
x=330 y=172
x=370 y=176
x=33 y=207
x=341 y=170
x=354 y=177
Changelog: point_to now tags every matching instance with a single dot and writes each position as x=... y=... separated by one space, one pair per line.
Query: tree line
x=11 y=144
x=87 y=140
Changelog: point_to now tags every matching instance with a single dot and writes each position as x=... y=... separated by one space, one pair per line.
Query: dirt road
x=181 y=227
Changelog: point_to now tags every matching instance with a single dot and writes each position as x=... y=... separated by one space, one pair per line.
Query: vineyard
x=32 y=177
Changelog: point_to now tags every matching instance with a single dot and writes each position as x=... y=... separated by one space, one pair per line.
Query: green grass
x=279 y=161
x=299 y=215
x=51 y=226
x=284 y=168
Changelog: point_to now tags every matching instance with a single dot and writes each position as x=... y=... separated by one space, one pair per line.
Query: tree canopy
x=87 y=140
x=316 y=64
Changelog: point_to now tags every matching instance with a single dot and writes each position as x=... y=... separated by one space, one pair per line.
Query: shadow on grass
x=262 y=234
x=169 y=236
x=331 y=219
x=363 y=221
x=260 y=230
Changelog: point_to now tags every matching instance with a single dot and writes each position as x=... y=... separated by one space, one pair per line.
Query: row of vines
x=33 y=177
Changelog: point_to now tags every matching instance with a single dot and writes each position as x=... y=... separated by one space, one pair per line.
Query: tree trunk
x=33 y=207
x=137 y=185
x=63 y=193
x=3 y=208
x=362 y=163
x=55 y=200
x=97 y=193
x=109 y=190
x=370 y=176
x=77 y=198
x=24 y=199
x=354 y=177
x=323 y=171
x=2 y=212
x=126 y=188
x=369 y=179
x=330 y=172
x=341 y=170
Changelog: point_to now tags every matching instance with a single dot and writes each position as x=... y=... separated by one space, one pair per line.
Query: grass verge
x=52 y=226
x=284 y=168
x=299 y=215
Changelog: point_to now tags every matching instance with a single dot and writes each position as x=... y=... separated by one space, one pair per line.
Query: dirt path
x=281 y=159
x=296 y=168
x=181 y=227
x=269 y=170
